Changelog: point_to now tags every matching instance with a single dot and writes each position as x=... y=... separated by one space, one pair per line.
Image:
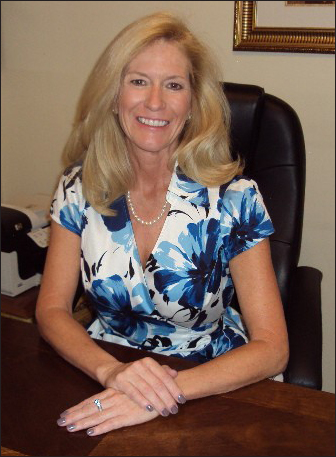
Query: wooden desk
x=264 y=419
x=22 y=307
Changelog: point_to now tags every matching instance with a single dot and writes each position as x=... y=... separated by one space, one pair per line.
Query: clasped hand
x=148 y=384
x=135 y=392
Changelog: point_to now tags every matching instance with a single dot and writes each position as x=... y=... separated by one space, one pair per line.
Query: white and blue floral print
x=190 y=269
x=180 y=304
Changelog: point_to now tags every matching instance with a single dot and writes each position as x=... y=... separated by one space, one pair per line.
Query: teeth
x=152 y=122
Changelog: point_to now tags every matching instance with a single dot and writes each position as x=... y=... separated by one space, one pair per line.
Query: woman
x=155 y=214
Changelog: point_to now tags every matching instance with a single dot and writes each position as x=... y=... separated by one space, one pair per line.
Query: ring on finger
x=98 y=404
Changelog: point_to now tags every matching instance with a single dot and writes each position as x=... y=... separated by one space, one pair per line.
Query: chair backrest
x=267 y=133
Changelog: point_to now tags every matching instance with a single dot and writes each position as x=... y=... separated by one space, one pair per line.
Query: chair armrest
x=304 y=323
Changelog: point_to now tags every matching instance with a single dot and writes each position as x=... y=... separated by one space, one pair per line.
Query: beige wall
x=48 y=49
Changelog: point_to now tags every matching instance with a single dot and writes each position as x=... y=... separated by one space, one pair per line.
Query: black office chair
x=267 y=133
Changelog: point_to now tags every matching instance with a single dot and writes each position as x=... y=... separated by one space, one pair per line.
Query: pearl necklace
x=130 y=204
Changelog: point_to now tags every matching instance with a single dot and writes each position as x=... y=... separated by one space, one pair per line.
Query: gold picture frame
x=248 y=36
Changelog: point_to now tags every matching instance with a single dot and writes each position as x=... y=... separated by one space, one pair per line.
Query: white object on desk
x=11 y=283
x=36 y=208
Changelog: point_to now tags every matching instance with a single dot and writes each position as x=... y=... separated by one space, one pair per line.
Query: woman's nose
x=155 y=98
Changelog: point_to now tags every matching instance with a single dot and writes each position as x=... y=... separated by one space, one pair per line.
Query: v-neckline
x=158 y=239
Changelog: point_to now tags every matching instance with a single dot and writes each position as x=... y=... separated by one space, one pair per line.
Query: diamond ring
x=98 y=404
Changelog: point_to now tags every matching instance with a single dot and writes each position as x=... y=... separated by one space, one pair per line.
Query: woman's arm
x=54 y=305
x=145 y=381
x=266 y=354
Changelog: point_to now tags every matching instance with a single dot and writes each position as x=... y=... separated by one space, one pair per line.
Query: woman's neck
x=152 y=173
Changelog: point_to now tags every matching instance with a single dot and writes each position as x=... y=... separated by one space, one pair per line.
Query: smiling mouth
x=152 y=122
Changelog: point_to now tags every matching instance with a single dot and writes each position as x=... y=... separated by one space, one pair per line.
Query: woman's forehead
x=162 y=54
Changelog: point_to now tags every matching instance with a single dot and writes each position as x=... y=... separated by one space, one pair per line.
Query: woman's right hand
x=147 y=383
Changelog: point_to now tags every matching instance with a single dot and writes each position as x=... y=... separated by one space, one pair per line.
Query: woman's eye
x=175 y=86
x=138 y=82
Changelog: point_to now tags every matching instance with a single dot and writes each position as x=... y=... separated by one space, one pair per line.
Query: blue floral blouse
x=180 y=304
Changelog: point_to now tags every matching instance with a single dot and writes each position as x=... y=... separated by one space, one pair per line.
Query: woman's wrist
x=105 y=370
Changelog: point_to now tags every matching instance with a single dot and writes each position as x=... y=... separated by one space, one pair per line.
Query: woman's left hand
x=118 y=410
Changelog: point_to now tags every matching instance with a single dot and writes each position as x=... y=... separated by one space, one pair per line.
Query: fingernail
x=64 y=413
x=90 y=431
x=61 y=421
x=149 y=408
x=174 y=409
x=181 y=399
x=71 y=427
x=165 y=412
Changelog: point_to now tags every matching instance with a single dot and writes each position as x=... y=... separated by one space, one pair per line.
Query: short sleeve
x=68 y=205
x=244 y=217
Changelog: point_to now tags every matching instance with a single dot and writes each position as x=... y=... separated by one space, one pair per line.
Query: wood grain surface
x=268 y=418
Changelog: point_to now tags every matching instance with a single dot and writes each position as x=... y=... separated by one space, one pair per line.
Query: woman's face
x=155 y=98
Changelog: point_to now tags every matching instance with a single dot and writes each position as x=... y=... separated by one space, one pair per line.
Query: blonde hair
x=98 y=141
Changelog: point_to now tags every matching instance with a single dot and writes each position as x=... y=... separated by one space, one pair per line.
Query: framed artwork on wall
x=285 y=26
